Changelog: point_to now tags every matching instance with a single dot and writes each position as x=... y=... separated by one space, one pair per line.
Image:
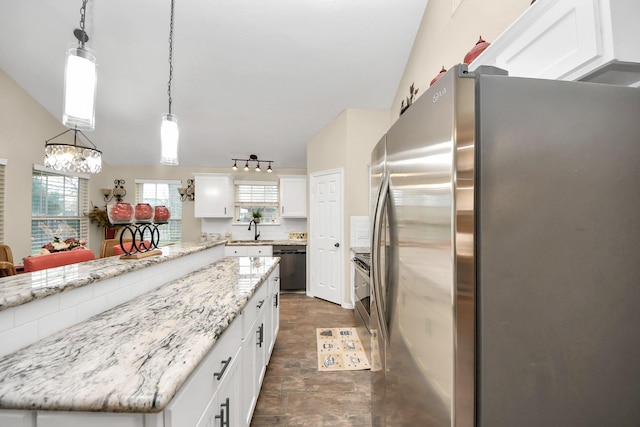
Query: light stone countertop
x=266 y=242
x=27 y=287
x=133 y=357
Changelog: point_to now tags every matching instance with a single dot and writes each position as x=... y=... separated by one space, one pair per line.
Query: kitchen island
x=35 y=305
x=124 y=366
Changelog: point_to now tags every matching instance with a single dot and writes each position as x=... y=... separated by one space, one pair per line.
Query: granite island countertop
x=24 y=288
x=133 y=357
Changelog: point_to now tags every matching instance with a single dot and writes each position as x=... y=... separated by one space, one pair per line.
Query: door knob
x=337 y=245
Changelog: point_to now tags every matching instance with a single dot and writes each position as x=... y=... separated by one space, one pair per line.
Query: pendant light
x=80 y=81
x=169 y=133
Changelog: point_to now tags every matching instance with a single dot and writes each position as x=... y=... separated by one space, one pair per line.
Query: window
x=163 y=193
x=256 y=196
x=58 y=201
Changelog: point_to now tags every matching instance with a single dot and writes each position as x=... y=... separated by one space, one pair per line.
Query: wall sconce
x=252 y=158
x=118 y=191
x=188 y=193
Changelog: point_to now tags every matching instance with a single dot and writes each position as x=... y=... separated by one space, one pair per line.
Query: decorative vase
x=110 y=233
x=161 y=214
x=143 y=212
x=480 y=46
x=437 y=77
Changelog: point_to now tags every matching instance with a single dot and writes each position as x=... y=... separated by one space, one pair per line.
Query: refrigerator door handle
x=375 y=254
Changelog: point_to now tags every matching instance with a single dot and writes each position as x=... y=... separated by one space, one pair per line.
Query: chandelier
x=252 y=158
x=72 y=157
x=169 y=133
x=80 y=81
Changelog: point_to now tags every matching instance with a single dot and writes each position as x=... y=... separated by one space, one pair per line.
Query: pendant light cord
x=170 y=57
x=83 y=10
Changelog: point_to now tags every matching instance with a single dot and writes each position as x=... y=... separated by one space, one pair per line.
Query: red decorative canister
x=162 y=214
x=144 y=212
x=120 y=213
x=480 y=46
x=440 y=74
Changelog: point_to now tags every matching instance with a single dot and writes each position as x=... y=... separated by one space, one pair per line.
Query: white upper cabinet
x=590 y=40
x=214 y=195
x=293 y=196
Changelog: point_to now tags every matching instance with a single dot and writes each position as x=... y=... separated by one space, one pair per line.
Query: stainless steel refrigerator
x=506 y=256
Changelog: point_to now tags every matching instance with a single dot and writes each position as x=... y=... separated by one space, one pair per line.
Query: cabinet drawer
x=191 y=401
x=257 y=303
x=261 y=250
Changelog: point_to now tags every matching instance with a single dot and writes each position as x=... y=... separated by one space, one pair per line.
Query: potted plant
x=101 y=219
x=257 y=215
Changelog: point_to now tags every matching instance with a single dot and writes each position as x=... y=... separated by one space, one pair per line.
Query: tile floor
x=294 y=393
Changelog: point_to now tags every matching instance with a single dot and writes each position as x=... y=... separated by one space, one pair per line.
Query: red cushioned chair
x=57 y=259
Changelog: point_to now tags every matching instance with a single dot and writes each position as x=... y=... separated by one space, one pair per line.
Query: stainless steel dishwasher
x=293 y=267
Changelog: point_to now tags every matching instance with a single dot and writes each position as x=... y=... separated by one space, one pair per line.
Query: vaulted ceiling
x=250 y=76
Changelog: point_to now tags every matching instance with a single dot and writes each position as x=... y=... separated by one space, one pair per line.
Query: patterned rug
x=340 y=349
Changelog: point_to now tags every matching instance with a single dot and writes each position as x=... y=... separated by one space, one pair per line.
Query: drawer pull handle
x=221 y=417
x=260 y=303
x=275 y=299
x=225 y=365
x=260 y=333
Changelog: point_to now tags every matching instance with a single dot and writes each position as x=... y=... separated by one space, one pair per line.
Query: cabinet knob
x=337 y=245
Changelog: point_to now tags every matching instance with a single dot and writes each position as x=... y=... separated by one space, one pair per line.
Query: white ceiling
x=250 y=76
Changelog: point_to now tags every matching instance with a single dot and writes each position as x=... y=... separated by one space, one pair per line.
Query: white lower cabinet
x=273 y=312
x=223 y=409
x=253 y=351
x=221 y=392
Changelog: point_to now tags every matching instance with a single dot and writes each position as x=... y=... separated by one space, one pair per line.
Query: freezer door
x=559 y=294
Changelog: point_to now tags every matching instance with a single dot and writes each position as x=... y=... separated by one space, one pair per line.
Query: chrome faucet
x=256 y=234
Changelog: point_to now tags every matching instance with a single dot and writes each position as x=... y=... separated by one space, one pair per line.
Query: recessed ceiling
x=250 y=76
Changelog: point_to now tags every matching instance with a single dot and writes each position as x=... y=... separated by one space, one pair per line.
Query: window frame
x=82 y=207
x=238 y=205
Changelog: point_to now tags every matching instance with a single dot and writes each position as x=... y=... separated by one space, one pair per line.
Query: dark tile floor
x=294 y=393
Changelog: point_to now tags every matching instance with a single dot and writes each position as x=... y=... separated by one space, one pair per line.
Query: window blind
x=256 y=196
x=158 y=192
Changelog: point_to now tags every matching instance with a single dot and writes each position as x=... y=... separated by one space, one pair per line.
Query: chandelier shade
x=169 y=136
x=72 y=157
x=80 y=88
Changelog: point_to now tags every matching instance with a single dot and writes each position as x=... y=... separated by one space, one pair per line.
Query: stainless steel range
x=361 y=263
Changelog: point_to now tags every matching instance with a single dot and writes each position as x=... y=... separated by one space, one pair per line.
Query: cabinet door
x=214 y=196
x=253 y=360
x=273 y=312
x=293 y=197
x=224 y=409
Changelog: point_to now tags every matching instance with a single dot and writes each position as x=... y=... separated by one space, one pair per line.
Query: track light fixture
x=252 y=158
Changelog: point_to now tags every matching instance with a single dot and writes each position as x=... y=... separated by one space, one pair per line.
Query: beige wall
x=445 y=37
x=346 y=144
x=24 y=126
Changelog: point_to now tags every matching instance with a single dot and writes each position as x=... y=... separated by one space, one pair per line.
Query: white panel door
x=326 y=248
